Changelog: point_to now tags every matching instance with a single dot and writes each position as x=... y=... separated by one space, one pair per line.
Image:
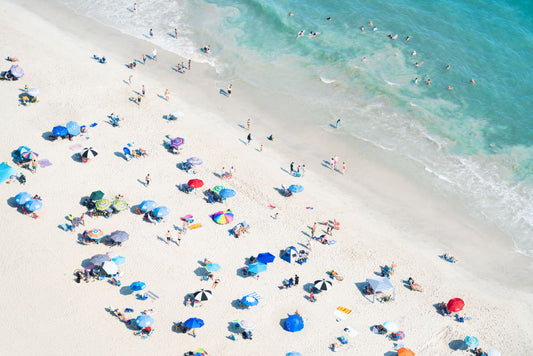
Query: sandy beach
x=384 y=216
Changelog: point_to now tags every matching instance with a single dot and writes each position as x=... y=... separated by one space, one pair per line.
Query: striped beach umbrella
x=102 y=204
x=223 y=217
x=88 y=153
x=177 y=142
x=120 y=205
x=217 y=189
x=195 y=161
x=119 y=236
x=250 y=300
x=95 y=234
x=400 y=335
x=99 y=259
x=471 y=341
x=30 y=155
x=322 y=284
x=203 y=295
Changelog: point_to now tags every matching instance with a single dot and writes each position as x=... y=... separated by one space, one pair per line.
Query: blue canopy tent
x=290 y=254
x=381 y=284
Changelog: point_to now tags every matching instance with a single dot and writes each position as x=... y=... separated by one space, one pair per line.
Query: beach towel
x=342 y=313
x=195 y=226
x=351 y=332
x=272 y=206
x=76 y=147
x=44 y=163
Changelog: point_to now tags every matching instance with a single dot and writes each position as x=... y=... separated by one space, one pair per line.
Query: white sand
x=384 y=218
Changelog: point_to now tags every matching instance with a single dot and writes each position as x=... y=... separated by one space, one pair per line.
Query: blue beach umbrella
x=144 y=321
x=213 y=267
x=266 y=257
x=257 y=267
x=33 y=205
x=160 y=212
x=137 y=286
x=293 y=353
x=193 y=323
x=60 y=131
x=147 y=205
x=73 y=128
x=119 y=260
x=296 y=188
x=294 y=323
x=22 y=198
x=6 y=171
x=250 y=300
x=227 y=193
x=471 y=341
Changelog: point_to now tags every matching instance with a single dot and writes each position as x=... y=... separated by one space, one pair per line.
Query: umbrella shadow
x=171 y=35
x=242 y=126
x=120 y=155
x=162 y=239
x=76 y=158
x=12 y=203
x=49 y=136
x=200 y=271
x=80 y=239
x=142 y=182
x=133 y=100
x=241 y=140
x=187 y=297
x=126 y=290
x=308 y=287
x=223 y=92
x=326 y=164
x=457 y=345
x=162 y=97
x=281 y=191
x=237 y=305
x=284 y=170
x=86 y=262
x=361 y=288
x=388 y=353
x=146 y=36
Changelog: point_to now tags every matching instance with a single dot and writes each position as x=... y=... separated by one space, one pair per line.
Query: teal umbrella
x=257 y=267
x=213 y=267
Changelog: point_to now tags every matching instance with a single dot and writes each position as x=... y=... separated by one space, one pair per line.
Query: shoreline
x=391 y=237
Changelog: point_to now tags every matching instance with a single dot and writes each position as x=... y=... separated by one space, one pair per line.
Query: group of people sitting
x=186 y=188
x=187 y=167
x=443 y=309
x=132 y=65
x=479 y=352
x=114 y=119
x=289 y=283
x=7 y=75
x=449 y=258
x=387 y=271
x=99 y=59
x=151 y=218
x=239 y=230
x=191 y=302
x=180 y=328
x=302 y=256
x=89 y=275
x=213 y=197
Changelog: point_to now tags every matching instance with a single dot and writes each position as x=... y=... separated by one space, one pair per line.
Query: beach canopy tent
x=290 y=254
x=381 y=284
x=6 y=171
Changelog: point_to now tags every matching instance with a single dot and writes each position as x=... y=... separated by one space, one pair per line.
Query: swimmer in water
x=417 y=65
x=449 y=87
x=407 y=39
x=472 y=81
x=416 y=80
x=363 y=59
x=313 y=34
x=329 y=19
x=362 y=28
x=370 y=23
x=448 y=67
x=413 y=53
x=300 y=34
x=393 y=37
x=291 y=13
x=428 y=82
x=375 y=28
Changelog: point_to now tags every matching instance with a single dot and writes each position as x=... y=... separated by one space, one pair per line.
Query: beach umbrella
x=102 y=204
x=471 y=341
x=202 y=295
x=213 y=267
x=33 y=205
x=193 y=323
x=119 y=236
x=120 y=205
x=195 y=161
x=16 y=71
x=60 y=131
x=33 y=92
x=266 y=257
x=177 y=142
x=97 y=195
x=22 y=198
x=322 y=284
x=296 y=188
x=6 y=171
x=247 y=324
x=99 y=259
x=144 y=321
x=293 y=353
x=404 y=351
x=73 y=128
x=400 y=335
x=391 y=326
x=137 y=286
x=89 y=153
x=30 y=155
x=257 y=267
x=227 y=193
x=201 y=352
x=493 y=352
x=294 y=323
x=455 y=305
x=119 y=260
x=147 y=205
x=21 y=150
x=177 y=114
x=223 y=217
x=217 y=189
x=95 y=234
x=110 y=267
x=160 y=212
x=111 y=254
x=249 y=300
x=195 y=183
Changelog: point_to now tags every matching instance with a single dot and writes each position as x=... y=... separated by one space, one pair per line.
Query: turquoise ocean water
x=476 y=141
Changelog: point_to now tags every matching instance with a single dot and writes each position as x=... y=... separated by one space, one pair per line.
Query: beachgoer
x=189 y=66
x=291 y=13
x=335 y=161
x=148 y=180
x=449 y=87
x=413 y=53
x=151 y=33
x=332 y=163
x=33 y=166
x=248 y=124
x=313 y=230
x=231 y=171
x=393 y=37
x=407 y=39
x=363 y=59
x=417 y=65
x=168 y=235
x=370 y=23
x=308 y=245
x=300 y=34
x=329 y=19
x=138 y=100
x=261 y=148
x=154 y=54
x=343 y=167
x=222 y=172
x=175 y=33
x=448 y=67
x=249 y=138
x=228 y=90
x=143 y=91
x=135 y=8
x=292 y=167
x=216 y=282
x=303 y=170
x=415 y=80
x=428 y=82
x=167 y=94
x=296 y=279
x=144 y=58
x=275 y=216
x=130 y=79
x=472 y=81
x=362 y=28
x=337 y=123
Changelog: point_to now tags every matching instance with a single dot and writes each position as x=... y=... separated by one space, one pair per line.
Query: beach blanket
x=342 y=313
x=195 y=226
x=76 y=147
x=351 y=332
x=44 y=163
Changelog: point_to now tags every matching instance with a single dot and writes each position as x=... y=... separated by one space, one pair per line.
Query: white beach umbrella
x=322 y=284
x=110 y=267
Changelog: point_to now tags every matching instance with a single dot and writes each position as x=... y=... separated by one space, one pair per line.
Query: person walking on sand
x=189 y=66
x=33 y=166
x=143 y=90
x=168 y=236
x=154 y=54
x=249 y=138
x=135 y=8
x=231 y=171
x=216 y=282
x=337 y=123
x=335 y=162
x=148 y=180
x=296 y=279
x=167 y=95
x=138 y=100
x=343 y=167
x=228 y=90
x=303 y=170
x=176 y=33
x=144 y=58
x=292 y=167
x=332 y=163
x=313 y=230
x=130 y=79
x=261 y=148
x=249 y=124
x=151 y=33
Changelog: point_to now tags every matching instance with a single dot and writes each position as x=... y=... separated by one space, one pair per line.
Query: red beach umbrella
x=455 y=305
x=195 y=183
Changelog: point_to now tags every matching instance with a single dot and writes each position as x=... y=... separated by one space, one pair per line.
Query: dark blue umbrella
x=296 y=188
x=137 y=286
x=144 y=321
x=193 y=323
x=160 y=212
x=60 y=131
x=148 y=205
x=266 y=257
x=33 y=205
x=227 y=193
x=73 y=128
x=22 y=198
x=294 y=323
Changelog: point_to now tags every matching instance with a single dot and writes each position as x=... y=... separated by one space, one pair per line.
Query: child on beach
x=167 y=94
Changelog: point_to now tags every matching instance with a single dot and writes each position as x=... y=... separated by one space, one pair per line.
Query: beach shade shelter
x=201 y=352
x=218 y=188
x=177 y=142
x=102 y=204
x=60 y=131
x=213 y=267
x=265 y=257
x=195 y=161
x=97 y=195
x=471 y=341
x=99 y=259
x=381 y=284
x=293 y=353
x=73 y=128
x=88 y=153
x=455 y=305
x=294 y=323
x=147 y=205
x=95 y=234
x=227 y=193
x=404 y=351
x=493 y=352
x=322 y=284
x=119 y=260
x=16 y=71
x=223 y=217
x=120 y=205
x=296 y=188
x=137 y=286
x=119 y=236
x=195 y=183
x=249 y=300
x=22 y=198
x=6 y=171
x=290 y=254
x=33 y=205
x=391 y=326
x=144 y=321
x=110 y=267
x=161 y=212
x=30 y=155
x=202 y=295
x=193 y=323
x=247 y=324
x=257 y=267
x=34 y=92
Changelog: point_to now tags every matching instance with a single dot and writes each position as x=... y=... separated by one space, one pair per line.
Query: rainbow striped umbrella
x=201 y=352
x=120 y=205
x=95 y=234
x=102 y=204
x=218 y=188
x=30 y=155
x=195 y=161
x=400 y=335
x=223 y=217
